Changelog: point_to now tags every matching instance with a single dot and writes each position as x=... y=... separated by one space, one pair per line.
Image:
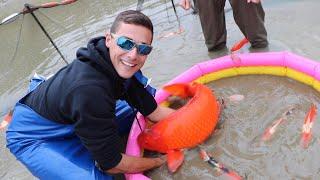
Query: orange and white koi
x=6 y=120
x=271 y=129
x=166 y=35
x=207 y=158
x=235 y=59
x=307 y=126
x=239 y=44
x=236 y=97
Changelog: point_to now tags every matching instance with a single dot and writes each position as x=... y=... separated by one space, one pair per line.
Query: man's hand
x=252 y=1
x=131 y=164
x=185 y=4
x=160 y=113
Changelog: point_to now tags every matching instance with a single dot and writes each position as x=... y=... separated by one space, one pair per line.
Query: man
x=248 y=14
x=68 y=123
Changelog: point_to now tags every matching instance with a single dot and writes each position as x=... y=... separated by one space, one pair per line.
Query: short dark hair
x=132 y=17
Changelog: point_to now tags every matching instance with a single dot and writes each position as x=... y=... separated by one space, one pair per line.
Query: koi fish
x=208 y=158
x=239 y=45
x=6 y=120
x=307 y=125
x=236 y=97
x=271 y=129
x=235 y=59
x=166 y=35
x=185 y=128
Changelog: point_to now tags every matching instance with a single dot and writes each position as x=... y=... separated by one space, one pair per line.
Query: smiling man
x=70 y=126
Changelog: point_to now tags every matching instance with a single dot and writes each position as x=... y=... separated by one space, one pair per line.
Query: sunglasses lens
x=144 y=49
x=125 y=43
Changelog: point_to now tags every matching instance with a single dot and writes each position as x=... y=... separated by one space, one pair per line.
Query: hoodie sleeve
x=94 y=111
x=138 y=97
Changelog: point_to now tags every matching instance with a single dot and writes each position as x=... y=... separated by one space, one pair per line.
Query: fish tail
x=181 y=90
x=305 y=139
x=174 y=159
x=234 y=176
x=266 y=135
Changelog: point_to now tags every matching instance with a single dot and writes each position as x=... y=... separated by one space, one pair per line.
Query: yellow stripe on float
x=268 y=70
x=217 y=75
x=271 y=70
x=316 y=85
x=277 y=71
x=299 y=76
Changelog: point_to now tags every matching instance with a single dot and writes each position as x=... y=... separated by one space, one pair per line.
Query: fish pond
x=237 y=143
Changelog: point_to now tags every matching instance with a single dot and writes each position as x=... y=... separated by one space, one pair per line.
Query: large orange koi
x=185 y=128
x=307 y=125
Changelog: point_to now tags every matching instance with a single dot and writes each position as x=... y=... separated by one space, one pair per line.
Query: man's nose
x=133 y=53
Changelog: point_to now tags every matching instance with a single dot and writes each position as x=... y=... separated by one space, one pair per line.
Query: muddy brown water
x=292 y=25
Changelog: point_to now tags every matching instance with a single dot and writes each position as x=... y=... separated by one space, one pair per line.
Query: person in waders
x=70 y=125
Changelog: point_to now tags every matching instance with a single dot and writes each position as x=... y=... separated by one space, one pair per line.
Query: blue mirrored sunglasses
x=127 y=45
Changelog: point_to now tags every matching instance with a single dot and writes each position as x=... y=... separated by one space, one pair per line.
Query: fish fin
x=219 y=107
x=174 y=159
x=177 y=90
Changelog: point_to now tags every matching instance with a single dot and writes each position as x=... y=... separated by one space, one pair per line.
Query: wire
x=45 y=32
x=51 y=19
x=138 y=123
x=175 y=12
x=18 y=41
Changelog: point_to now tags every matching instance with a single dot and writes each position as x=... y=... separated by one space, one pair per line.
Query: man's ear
x=108 y=39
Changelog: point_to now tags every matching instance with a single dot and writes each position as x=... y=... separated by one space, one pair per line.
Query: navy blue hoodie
x=84 y=93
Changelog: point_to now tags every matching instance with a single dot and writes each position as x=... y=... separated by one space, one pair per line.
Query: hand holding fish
x=161 y=160
x=185 y=128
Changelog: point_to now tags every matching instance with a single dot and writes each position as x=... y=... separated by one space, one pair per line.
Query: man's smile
x=127 y=63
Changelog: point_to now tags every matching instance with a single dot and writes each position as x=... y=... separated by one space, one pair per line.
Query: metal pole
x=45 y=32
